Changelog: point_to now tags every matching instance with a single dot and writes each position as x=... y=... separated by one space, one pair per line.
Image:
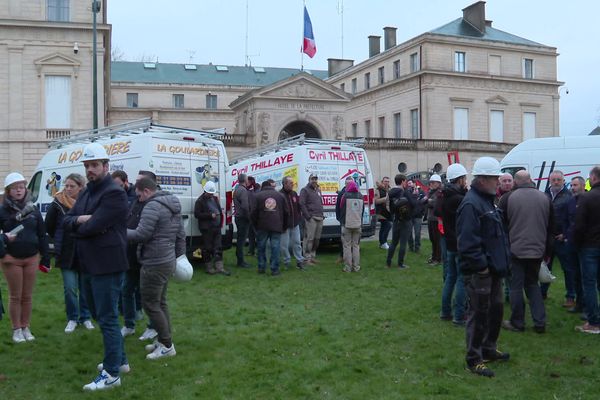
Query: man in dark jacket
x=269 y=216
x=120 y=177
x=577 y=188
x=401 y=205
x=161 y=239
x=587 y=240
x=435 y=236
x=484 y=256
x=241 y=202
x=560 y=197
x=98 y=222
x=528 y=215
x=448 y=204
x=290 y=239
x=210 y=217
x=414 y=238
x=383 y=214
x=311 y=206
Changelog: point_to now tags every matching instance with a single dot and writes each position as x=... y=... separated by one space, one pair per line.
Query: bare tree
x=116 y=54
x=147 y=58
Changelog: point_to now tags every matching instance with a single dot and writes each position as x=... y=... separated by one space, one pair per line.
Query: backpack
x=354 y=210
x=400 y=207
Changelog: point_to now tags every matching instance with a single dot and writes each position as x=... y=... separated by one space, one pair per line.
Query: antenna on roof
x=191 y=53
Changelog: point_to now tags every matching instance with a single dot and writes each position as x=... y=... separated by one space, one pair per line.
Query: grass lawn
x=320 y=334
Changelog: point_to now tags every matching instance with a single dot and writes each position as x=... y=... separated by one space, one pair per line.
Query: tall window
x=414 y=62
x=355 y=129
x=58 y=102
x=495 y=65
x=367 y=80
x=497 y=126
x=132 y=100
x=461 y=123
x=381 y=127
x=343 y=87
x=528 y=125
x=459 y=61
x=368 y=128
x=397 y=126
x=178 y=101
x=527 y=68
x=381 y=75
x=354 y=86
x=396 y=69
x=211 y=101
x=414 y=123
x=58 y=10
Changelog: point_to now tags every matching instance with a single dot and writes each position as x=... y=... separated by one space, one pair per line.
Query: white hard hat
x=210 y=187
x=13 y=177
x=486 y=166
x=183 y=269
x=94 y=151
x=455 y=171
x=435 y=178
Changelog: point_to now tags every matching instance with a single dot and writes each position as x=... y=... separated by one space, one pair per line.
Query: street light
x=566 y=89
x=96 y=6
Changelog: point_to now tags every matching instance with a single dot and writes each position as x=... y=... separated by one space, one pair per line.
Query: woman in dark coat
x=75 y=304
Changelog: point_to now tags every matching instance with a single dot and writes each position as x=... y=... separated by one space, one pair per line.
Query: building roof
x=198 y=74
x=595 y=132
x=460 y=28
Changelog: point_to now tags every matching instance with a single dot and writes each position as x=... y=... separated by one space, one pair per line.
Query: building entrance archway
x=298 y=127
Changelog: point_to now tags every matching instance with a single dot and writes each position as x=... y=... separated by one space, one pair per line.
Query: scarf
x=65 y=200
x=22 y=207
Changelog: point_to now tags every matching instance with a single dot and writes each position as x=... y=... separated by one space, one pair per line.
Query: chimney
x=335 y=65
x=389 y=37
x=374 y=45
x=488 y=23
x=475 y=15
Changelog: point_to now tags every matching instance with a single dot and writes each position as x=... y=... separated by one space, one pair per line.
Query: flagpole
x=302 y=47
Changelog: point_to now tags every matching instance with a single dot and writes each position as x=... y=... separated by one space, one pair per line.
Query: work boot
x=210 y=268
x=220 y=269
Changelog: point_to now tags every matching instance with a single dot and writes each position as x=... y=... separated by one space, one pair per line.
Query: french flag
x=308 y=45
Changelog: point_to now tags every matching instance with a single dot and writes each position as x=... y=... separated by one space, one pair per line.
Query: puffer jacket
x=64 y=245
x=433 y=196
x=481 y=239
x=32 y=239
x=450 y=201
x=160 y=233
x=587 y=219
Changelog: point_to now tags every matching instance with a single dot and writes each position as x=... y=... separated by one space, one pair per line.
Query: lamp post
x=96 y=5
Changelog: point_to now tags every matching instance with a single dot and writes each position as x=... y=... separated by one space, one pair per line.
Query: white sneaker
x=18 y=336
x=161 y=351
x=125 y=331
x=88 y=325
x=103 y=381
x=151 y=347
x=384 y=246
x=27 y=334
x=149 y=334
x=123 y=369
x=71 y=325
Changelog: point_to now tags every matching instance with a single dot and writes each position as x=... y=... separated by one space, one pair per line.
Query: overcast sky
x=202 y=31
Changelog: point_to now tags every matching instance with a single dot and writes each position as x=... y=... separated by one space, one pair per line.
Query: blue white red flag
x=308 y=45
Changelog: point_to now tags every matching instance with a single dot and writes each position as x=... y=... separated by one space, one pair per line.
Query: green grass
x=321 y=334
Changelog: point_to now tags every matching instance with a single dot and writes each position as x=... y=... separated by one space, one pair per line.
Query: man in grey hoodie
x=161 y=239
x=528 y=214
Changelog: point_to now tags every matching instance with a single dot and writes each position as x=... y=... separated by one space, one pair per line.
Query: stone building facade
x=463 y=90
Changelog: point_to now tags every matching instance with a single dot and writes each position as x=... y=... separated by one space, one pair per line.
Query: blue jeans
x=568 y=261
x=261 y=244
x=400 y=233
x=290 y=239
x=75 y=304
x=102 y=294
x=443 y=251
x=384 y=230
x=589 y=259
x=453 y=280
x=414 y=238
x=131 y=285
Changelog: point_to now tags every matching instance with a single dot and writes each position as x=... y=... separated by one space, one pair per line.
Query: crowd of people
x=116 y=245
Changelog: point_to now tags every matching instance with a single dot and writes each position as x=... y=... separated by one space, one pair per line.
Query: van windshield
x=512 y=170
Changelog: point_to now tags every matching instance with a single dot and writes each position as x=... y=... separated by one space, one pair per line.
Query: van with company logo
x=182 y=159
x=299 y=157
x=573 y=155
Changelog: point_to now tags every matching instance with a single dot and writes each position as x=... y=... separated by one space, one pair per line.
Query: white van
x=298 y=157
x=575 y=155
x=182 y=159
